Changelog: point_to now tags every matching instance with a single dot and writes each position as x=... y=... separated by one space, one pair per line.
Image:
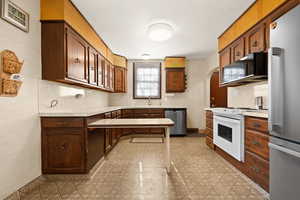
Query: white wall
x=193 y=98
x=244 y=96
x=20 y=148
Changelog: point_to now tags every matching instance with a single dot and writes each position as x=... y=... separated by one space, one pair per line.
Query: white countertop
x=107 y=123
x=259 y=113
x=94 y=111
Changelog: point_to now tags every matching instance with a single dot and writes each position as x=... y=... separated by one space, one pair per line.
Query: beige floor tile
x=136 y=172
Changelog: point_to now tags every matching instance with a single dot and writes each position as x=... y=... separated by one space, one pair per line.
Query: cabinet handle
x=255 y=44
x=64 y=146
x=77 y=60
x=256 y=143
x=255 y=169
x=256 y=125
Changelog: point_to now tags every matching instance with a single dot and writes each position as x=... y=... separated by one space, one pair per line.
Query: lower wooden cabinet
x=209 y=142
x=209 y=130
x=257 y=169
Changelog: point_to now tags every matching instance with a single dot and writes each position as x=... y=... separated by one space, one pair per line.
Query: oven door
x=229 y=136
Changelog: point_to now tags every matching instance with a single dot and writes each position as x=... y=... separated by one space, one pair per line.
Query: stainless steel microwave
x=251 y=68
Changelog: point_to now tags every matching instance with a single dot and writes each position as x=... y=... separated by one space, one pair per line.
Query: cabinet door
x=119 y=79
x=111 y=77
x=63 y=151
x=76 y=57
x=225 y=57
x=107 y=75
x=101 y=71
x=175 y=80
x=238 y=50
x=256 y=39
x=93 y=66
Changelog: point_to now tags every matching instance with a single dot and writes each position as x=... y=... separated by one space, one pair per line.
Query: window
x=147 y=80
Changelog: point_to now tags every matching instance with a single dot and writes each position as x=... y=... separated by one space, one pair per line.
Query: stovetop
x=232 y=112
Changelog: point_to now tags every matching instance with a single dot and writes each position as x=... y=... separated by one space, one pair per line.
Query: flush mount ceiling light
x=160 y=32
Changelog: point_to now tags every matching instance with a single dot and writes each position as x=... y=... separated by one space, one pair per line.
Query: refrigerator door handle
x=285 y=150
x=276 y=94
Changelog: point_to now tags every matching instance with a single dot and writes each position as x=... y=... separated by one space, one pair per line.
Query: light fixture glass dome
x=160 y=32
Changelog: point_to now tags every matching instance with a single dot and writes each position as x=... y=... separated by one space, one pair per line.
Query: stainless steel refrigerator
x=284 y=111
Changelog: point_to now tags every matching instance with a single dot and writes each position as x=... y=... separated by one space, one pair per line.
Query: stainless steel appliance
x=253 y=67
x=284 y=107
x=229 y=131
x=178 y=116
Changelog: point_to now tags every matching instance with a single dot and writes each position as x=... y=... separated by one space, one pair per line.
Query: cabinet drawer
x=62 y=122
x=156 y=115
x=127 y=111
x=209 y=123
x=143 y=111
x=257 y=124
x=157 y=131
x=141 y=115
x=257 y=169
x=209 y=115
x=209 y=132
x=156 y=111
x=209 y=143
x=257 y=142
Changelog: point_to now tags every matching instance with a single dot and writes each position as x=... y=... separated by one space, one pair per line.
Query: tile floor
x=135 y=172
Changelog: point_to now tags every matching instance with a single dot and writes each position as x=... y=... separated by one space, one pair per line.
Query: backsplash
x=244 y=96
x=65 y=94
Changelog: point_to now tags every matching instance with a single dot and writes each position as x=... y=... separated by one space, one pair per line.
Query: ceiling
x=123 y=24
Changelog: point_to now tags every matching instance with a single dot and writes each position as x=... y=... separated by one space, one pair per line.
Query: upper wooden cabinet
x=76 y=57
x=175 y=80
x=256 y=40
x=238 y=49
x=175 y=74
x=68 y=58
x=93 y=66
x=120 y=79
x=225 y=57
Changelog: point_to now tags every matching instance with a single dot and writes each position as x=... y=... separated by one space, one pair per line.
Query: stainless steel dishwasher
x=178 y=116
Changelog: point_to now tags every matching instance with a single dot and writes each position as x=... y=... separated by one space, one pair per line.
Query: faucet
x=53 y=103
x=149 y=101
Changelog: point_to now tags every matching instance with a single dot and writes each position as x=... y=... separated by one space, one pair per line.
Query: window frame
x=134 y=82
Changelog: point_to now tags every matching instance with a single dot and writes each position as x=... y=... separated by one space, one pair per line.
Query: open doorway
x=218 y=95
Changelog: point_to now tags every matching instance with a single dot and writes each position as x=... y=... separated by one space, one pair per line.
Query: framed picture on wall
x=14 y=15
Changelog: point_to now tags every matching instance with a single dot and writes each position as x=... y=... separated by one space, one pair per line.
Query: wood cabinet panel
x=209 y=123
x=257 y=143
x=175 y=80
x=225 y=57
x=238 y=50
x=93 y=66
x=257 y=124
x=257 y=169
x=96 y=145
x=209 y=114
x=63 y=152
x=101 y=72
x=119 y=79
x=209 y=132
x=62 y=122
x=76 y=57
x=209 y=143
x=256 y=39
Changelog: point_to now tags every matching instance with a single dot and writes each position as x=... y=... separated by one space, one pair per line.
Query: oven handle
x=226 y=119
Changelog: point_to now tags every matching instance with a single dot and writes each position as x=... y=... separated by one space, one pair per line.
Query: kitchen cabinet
x=256 y=40
x=76 y=57
x=225 y=57
x=175 y=80
x=68 y=58
x=120 y=79
x=209 y=129
x=238 y=49
x=101 y=72
x=63 y=147
x=93 y=66
x=108 y=135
